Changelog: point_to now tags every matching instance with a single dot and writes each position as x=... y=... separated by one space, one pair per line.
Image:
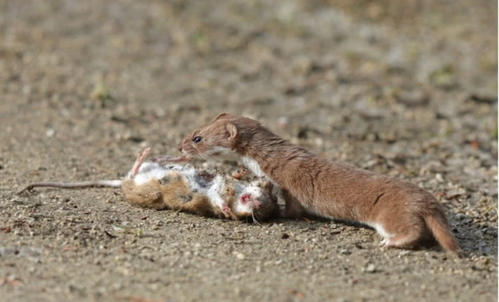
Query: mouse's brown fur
x=403 y=213
x=147 y=195
x=175 y=196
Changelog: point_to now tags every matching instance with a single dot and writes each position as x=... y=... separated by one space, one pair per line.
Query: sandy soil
x=405 y=90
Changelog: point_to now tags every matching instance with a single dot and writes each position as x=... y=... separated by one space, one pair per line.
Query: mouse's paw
x=240 y=173
x=226 y=210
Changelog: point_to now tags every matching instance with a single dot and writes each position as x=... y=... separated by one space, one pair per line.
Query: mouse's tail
x=439 y=227
x=75 y=185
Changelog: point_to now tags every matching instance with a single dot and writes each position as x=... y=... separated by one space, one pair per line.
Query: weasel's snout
x=185 y=146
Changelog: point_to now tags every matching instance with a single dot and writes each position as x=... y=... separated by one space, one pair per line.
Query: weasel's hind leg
x=403 y=241
x=293 y=208
x=407 y=235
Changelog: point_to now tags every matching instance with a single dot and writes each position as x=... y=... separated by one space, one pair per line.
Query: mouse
x=405 y=215
x=184 y=188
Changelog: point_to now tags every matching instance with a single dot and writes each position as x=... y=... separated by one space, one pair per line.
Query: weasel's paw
x=385 y=242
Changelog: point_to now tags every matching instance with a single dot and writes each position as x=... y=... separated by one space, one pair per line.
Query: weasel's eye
x=197 y=139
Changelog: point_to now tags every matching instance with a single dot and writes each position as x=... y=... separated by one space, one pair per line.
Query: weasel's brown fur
x=403 y=213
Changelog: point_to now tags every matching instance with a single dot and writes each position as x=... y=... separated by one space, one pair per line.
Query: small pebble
x=370 y=268
x=239 y=255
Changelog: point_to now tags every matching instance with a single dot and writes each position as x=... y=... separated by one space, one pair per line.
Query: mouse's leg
x=215 y=193
x=139 y=161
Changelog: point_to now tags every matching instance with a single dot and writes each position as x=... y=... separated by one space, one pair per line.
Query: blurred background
x=406 y=88
x=372 y=76
x=321 y=62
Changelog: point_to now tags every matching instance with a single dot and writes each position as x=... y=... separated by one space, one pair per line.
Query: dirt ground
x=408 y=90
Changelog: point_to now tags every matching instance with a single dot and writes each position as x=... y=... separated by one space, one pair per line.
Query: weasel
x=181 y=187
x=401 y=212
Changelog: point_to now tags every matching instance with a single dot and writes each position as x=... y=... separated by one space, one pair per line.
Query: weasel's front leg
x=293 y=208
x=170 y=159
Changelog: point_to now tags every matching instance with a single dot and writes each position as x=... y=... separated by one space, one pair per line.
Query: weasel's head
x=218 y=138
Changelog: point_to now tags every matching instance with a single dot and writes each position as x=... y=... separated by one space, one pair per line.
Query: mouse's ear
x=231 y=130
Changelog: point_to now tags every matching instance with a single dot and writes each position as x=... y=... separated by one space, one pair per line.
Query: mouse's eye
x=197 y=139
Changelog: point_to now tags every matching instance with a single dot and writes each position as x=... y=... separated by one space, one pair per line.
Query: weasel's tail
x=75 y=185
x=438 y=225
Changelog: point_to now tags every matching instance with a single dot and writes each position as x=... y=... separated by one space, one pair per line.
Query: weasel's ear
x=221 y=115
x=232 y=131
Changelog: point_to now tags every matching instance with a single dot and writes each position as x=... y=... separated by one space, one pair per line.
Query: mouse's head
x=256 y=202
x=219 y=138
